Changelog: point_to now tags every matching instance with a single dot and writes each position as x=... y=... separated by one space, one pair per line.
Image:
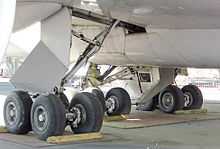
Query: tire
x=122 y=101
x=195 y=97
x=99 y=94
x=54 y=120
x=64 y=100
x=19 y=102
x=92 y=111
x=171 y=99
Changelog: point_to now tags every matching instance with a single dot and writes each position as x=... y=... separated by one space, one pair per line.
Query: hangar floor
x=188 y=135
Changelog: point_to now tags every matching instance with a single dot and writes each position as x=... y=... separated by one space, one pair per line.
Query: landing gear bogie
x=172 y=98
x=49 y=115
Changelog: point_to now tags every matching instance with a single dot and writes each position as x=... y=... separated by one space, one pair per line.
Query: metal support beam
x=88 y=15
x=107 y=72
x=117 y=76
x=91 y=49
x=85 y=39
x=167 y=76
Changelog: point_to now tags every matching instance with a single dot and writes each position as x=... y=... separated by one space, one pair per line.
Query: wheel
x=171 y=99
x=88 y=111
x=99 y=94
x=17 y=110
x=64 y=100
x=118 y=102
x=193 y=97
x=48 y=116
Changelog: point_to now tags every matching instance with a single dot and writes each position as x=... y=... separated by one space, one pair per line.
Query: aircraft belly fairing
x=166 y=14
x=157 y=47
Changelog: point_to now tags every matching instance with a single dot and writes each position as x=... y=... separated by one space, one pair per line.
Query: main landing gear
x=51 y=113
x=173 y=98
x=47 y=116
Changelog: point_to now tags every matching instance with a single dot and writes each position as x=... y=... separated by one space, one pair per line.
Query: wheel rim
x=112 y=104
x=167 y=100
x=40 y=118
x=80 y=115
x=188 y=99
x=11 y=113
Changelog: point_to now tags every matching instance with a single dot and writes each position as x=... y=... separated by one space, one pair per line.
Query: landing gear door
x=56 y=34
x=40 y=72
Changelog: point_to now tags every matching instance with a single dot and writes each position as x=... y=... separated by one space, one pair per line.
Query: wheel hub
x=11 y=111
x=188 y=99
x=41 y=118
x=167 y=100
x=111 y=103
x=78 y=115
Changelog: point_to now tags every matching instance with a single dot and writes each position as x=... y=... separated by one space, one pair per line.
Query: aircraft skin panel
x=179 y=33
x=167 y=48
x=164 y=14
x=29 y=13
x=168 y=14
x=56 y=34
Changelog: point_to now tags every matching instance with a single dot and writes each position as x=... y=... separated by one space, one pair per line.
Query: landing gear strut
x=49 y=114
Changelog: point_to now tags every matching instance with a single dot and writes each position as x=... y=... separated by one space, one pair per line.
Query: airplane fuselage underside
x=162 y=47
x=179 y=34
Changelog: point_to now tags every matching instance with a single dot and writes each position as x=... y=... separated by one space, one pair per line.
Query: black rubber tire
x=124 y=101
x=178 y=103
x=56 y=116
x=23 y=103
x=64 y=100
x=94 y=113
x=196 y=94
x=100 y=95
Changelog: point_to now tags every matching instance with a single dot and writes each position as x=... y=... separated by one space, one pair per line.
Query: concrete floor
x=192 y=135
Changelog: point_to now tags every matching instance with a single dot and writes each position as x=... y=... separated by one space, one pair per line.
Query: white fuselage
x=183 y=33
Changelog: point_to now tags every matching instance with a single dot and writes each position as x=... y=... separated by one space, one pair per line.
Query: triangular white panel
x=40 y=72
